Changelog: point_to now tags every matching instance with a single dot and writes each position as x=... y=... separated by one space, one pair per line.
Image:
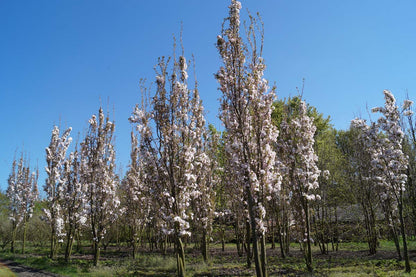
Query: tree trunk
x=134 y=245
x=263 y=255
x=14 y=231
x=68 y=248
x=308 y=254
x=238 y=244
x=238 y=239
x=52 y=253
x=79 y=243
x=369 y=220
x=24 y=235
x=286 y=235
x=336 y=229
x=204 y=246
x=395 y=239
x=180 y=257
x=257 y=261
x=248 y=242
x=165 y=246
x=222 y=239
x=96 y=252
x=403 y=231
x=280 y=236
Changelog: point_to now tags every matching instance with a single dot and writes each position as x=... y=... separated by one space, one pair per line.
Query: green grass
x=392 y=268
x=43 y=263
x=5 y=272
x=351 y=260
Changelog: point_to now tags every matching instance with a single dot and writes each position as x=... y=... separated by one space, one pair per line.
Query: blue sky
x=59 y=60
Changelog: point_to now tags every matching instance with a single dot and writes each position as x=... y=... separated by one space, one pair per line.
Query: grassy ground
x=5 y=272
x=352 y=259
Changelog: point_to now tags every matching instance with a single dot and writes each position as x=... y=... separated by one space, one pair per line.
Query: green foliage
x=5 y=226
x=289 y=108
x=4 y=202
x=219 y=156
x=332 y=158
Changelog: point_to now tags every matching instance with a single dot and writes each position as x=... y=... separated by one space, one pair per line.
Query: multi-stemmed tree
x=246 y=107
x=177 y=122
x=72 y=200
x=204 y=168
x=237 y=206
x=386 y=166
x=136 y=193
x=55 y=159
x=300 y=171
x=390 y=162
x=22 y=192
x=97 y=173
x=360 y=154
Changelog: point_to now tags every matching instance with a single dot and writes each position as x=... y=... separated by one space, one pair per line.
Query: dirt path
x=24 y=271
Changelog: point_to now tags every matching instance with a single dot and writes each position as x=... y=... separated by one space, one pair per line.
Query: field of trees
x=278 y=192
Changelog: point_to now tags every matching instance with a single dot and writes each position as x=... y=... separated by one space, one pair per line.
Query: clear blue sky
x=59 y=58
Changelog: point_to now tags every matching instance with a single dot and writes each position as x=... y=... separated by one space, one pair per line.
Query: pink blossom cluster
x=55 y=159
x=298 y=163
x=172 y=152
x=388 y=159
x=97 y=174
x=22 y=192
x=383 y=141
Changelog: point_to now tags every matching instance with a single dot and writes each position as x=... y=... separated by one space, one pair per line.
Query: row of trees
x=279 y=171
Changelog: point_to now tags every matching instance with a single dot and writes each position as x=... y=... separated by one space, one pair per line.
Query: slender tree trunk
x=96 y=252
x=165 y=247
x=308 y=254
x=223 y=239
x=280 y=238
x=396 y=242
x=52 y=253
x=14 y=231
x=69 y=243
x=286 y=235
x=369 y=220
x=282 y=234
x=204 y=246
x=118 y=237
x=395 y=238
x=403 y=231
x=238 y=239
x=389 y=218
x=238 y=242
x=134 y=245
x=412 y=191
x=273 y=236
x=180 y=257
x=248 y=242
x=133 y=241
x=257 y=261
x=321 y=227
x=24 y=235
x=373 y=232
x=79 y=243
x=263 y=255
x=336 y=229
